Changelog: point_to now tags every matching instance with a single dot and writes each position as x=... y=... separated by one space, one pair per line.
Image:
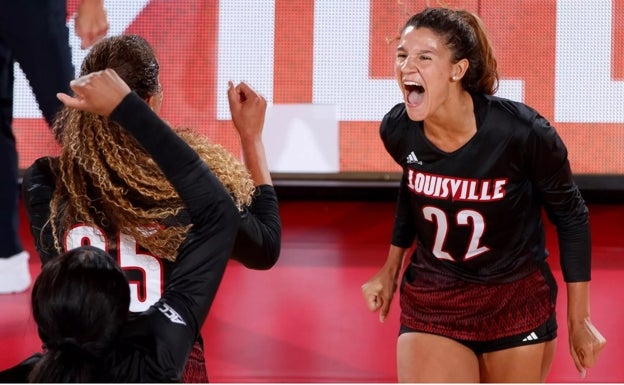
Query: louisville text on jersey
x=456 y=189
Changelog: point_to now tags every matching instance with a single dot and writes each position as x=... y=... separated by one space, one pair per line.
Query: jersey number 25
x=144 y=291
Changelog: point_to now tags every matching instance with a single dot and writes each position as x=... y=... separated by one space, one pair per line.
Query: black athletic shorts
x=545 y=332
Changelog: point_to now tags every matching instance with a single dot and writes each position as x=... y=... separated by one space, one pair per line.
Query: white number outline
x=129 y=258
x=464 y=217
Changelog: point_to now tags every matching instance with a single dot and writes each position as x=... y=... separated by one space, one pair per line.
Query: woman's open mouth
x=414 y=92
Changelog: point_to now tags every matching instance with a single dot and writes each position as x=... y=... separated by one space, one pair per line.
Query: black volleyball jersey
x=154 y=345
x=476 y=212
x=257 y=243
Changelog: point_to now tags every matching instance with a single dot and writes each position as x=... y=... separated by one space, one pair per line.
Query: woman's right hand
x=98 y=92
x=379 y=291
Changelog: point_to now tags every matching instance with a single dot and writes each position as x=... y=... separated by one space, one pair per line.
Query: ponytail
x=80 y=302
x=66 y=362
x=465 y=36
x=485 y=80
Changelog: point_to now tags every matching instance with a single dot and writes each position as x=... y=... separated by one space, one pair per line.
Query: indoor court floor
x=305 y=319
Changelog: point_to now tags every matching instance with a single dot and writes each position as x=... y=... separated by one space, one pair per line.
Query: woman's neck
x=453 y=125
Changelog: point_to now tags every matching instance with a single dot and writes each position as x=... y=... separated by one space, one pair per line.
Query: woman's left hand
x=586 y=343
x=248 y=109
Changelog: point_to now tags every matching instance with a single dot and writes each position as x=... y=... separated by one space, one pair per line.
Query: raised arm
x=259 y=236
x=173 y=323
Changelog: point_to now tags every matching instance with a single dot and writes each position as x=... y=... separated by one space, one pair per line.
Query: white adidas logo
x=530 y=337
x=412 y=158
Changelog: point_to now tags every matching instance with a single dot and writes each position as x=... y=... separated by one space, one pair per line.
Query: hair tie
x=71 y=346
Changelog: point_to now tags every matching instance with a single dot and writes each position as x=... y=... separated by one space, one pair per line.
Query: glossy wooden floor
x=305 y=320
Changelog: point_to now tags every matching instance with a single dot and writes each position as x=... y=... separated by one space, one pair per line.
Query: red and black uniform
x=155 y=344
x=258 y=239
x=257 y=243
x=479 y=269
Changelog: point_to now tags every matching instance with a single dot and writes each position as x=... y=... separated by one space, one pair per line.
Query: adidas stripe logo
x=530 y=337
x=412 y=158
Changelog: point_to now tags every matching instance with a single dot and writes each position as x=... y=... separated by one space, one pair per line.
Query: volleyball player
x=81 y=298
x=477 y=296
x=105 y=188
